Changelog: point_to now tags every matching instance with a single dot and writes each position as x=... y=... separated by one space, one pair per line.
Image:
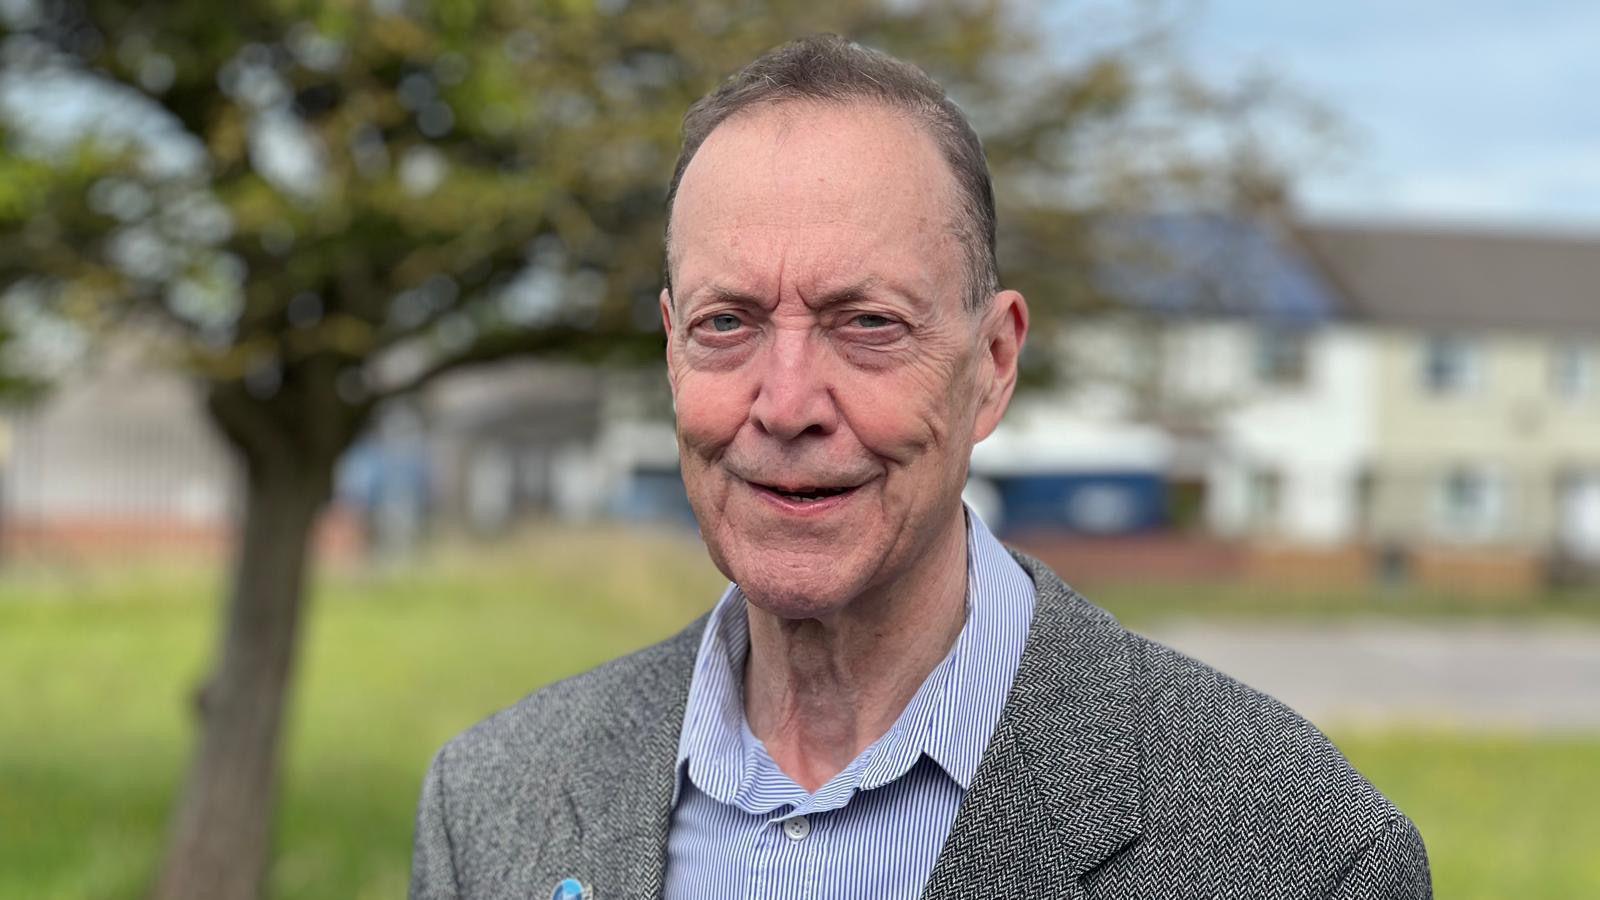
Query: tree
x=315 y=208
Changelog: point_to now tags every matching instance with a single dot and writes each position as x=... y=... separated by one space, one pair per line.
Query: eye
x=724 y=322
x=870 y=320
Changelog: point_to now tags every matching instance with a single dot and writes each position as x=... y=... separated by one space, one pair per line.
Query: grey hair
x=827 y=68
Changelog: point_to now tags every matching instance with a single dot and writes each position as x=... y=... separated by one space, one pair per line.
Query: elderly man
x=886 y=703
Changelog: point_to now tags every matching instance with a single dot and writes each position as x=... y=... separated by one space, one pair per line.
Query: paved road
x=1471 y=675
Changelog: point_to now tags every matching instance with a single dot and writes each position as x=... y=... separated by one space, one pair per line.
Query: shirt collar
x=949 y=719
x=983 y=662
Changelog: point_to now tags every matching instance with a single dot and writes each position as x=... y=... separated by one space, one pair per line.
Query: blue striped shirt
x=742 y=828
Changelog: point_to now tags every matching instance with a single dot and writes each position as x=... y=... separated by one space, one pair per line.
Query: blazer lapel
x=621 y=805
x=1059 y=788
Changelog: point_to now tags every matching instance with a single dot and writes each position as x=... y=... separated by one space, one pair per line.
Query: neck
x=819 y=691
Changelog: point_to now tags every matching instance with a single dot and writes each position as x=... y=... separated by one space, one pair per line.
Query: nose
x=794 y=397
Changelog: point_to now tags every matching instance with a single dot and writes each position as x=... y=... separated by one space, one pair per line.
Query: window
x=1578 y=508
x=1572 y=371
x=1450 y=365
x=1281 y=356
x=1366 y=495
x=1264 y=497
x=1103 y=509
x=1469 y=504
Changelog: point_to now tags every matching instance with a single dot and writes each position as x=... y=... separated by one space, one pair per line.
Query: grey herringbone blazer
x=1119 y=769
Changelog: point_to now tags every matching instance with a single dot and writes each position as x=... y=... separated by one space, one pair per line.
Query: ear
x=1004 y=328
x=665 y=301
x=666 y=325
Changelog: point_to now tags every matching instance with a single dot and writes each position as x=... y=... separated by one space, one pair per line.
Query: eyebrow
x=848 y=293
x=866 y=286
x=717 y=293
x=714 y=293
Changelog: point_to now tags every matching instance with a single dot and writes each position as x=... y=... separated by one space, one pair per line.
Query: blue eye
x=869 y=320
x=724 y=322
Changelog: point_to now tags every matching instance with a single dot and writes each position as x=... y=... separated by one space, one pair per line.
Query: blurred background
x=329 y=359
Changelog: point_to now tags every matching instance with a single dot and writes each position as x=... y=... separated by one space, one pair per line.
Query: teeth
x=811 y=496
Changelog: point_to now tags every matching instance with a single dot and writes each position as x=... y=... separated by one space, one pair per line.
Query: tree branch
x=612 y=344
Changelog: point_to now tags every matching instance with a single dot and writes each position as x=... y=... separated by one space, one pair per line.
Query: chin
x=785 y=602
x=792 y=585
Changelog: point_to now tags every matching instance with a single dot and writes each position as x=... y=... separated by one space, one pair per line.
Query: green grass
x=96 y=668
x=1503 y=816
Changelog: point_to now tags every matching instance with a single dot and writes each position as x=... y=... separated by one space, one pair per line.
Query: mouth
x=803 y=495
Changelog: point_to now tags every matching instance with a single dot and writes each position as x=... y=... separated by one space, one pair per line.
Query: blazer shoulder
x=1214 y=742
x=548 y=730
x=506 y=803
x=1205 y=735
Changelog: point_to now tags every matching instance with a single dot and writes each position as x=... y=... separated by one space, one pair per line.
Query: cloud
x=1559 y=185
x=1457 y=107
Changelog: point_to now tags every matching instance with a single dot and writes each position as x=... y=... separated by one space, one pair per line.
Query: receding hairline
x=829 y=69
x=791 y=109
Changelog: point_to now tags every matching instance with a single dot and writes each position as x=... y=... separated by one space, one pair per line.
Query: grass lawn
x=95 y=669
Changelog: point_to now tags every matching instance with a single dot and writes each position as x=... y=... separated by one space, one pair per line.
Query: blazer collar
x=1059 y=789
x=1057 y=792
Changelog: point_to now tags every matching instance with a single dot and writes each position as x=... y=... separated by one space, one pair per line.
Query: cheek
x=710 y=412
x=900 y=418
x=918 y=413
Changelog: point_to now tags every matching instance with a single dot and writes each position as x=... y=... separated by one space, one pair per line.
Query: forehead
x=805 y=192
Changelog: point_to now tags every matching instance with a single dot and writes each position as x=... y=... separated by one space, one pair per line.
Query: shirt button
x=797 y=828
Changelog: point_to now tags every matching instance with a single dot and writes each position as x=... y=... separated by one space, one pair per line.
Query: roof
x=1203 y=264
x=1461 y=278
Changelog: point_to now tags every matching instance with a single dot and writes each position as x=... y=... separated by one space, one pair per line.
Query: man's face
x=828 y=383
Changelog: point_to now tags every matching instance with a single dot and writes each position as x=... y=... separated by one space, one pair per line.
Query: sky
x=1482 y=111
x=1476 y=111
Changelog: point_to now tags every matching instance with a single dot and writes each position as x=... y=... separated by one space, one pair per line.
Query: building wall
x=121 y=443
x=1309 y=438
x=1229 y=425
x=1510 y=423
x=1076 y=459
x=119 y=462
x=1316 y=436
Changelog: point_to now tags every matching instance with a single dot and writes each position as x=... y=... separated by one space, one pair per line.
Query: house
x=527 y=438
x=1345 y=402
x=1233 y=355
x=117 y=459
x=1485 y=355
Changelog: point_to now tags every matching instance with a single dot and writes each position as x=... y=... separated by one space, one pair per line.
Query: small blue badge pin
x=571 y=889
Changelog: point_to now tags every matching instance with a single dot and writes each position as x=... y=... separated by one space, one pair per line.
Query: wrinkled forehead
x=812 y=187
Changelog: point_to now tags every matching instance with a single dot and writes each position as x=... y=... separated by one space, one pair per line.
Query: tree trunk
x=220 y=844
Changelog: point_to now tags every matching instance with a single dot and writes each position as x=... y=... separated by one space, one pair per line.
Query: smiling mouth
x=802 y=494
